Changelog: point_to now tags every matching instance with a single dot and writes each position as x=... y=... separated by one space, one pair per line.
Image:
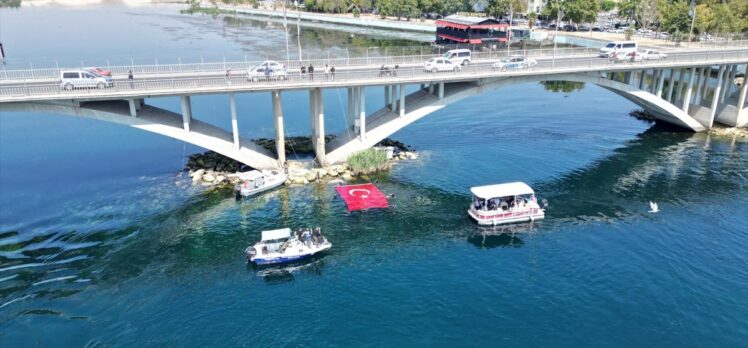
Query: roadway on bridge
x=38 y=89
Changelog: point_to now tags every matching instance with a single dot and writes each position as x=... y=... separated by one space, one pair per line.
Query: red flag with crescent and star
x=364 y=196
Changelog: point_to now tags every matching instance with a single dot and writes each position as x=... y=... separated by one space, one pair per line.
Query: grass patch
x=368 y=161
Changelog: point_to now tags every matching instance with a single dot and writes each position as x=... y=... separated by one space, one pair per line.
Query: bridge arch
x=384 y=122
x=159 y=121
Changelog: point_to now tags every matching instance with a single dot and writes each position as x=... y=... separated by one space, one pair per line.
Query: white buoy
x=653 y=208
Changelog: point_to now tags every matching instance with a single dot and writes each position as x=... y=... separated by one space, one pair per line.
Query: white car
x=272 y=64
x=514 y=62
x=71 y=79
x=652 y=54
x=440 y=64
x=265 y=73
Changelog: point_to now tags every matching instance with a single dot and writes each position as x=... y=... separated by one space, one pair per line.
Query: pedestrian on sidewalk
x=327 y=72
x=311 y=72
x=303 y=72
x=228 y=76
x=332 y=72
x=130 y=77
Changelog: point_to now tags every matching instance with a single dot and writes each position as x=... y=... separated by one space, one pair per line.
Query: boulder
x=198 y=173
x=220 y=179
x=209 y=177
x=310 y=176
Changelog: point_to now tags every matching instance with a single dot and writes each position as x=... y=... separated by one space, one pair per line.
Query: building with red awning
x=473 y=30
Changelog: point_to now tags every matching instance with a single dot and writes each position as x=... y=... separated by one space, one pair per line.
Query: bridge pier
x=402 y=101
x=393 y=98
x=133 y=107
x=699 y=75
x=350 y=116
x=715 y=97
x=186 y=113
x=280 y=138
x=670 y=81
x=742 y=120
x=441 y=91
x=234 y=122
x=386 y=95
x=317 y=113
x=362 y=113
x=689 y=90
x=660 y=83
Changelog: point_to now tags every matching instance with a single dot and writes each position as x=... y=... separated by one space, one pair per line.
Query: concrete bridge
x=692 y=89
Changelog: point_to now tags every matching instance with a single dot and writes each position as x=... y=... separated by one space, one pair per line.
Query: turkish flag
x=363 y=196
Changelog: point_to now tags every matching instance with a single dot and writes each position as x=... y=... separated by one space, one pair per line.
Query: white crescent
x=350 y=192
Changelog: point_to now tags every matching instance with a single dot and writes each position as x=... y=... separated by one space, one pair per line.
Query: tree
x=629 y=9
x=499 y=8
x=532 y=17
x=675 y=17
x=581 y=11
x=608 y=5
x=562 y=86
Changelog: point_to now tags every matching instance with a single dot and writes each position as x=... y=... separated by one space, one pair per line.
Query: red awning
x=451 y=25
x=475 y=41
x=453 y=38
x=364 y=196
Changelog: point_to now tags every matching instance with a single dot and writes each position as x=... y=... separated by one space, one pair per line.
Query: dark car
x=584 y=27
x=571 y=27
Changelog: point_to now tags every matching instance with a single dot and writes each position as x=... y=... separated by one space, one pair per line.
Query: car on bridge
x=440 y=64
x=266 y=73
x=71 y=79
x=514 y=62
x=652 y=54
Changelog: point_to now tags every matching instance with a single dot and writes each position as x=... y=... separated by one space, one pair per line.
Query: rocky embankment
x=215 y=170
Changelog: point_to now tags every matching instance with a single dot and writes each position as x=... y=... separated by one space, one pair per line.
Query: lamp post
x=692 y=12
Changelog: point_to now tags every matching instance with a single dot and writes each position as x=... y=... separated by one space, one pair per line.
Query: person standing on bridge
x=130 y=77
x=332 y=72
x=311 y=72
x=228 y=76
x=327 y=72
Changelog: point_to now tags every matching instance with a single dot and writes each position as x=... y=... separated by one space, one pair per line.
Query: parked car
x=652 y=54
x=628 y=57
x=584 y=27
x=71 y=79
x=460 y=56
x=514 y=62
x=265 y=73
x=440 y=64
x=99 y=71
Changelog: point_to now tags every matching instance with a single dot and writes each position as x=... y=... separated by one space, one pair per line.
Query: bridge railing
x=188 y=85
x=317 y=62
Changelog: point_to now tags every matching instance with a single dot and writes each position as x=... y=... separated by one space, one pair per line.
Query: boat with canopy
x=504 y=203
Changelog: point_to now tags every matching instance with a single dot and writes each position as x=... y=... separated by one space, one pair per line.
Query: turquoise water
x=103 y=242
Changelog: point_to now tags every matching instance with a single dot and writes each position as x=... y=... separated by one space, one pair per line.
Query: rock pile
x=213 y=161
x=642 y=115
x=300 y=173
x=298 y=145
x=213 y=178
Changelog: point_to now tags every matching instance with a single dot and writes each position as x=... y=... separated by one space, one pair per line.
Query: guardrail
x=54 y=73
x=221 y=84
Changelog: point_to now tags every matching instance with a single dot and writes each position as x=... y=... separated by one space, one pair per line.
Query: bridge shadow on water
x=209 y=231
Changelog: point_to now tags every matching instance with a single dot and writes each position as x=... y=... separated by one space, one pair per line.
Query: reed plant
x=368 y=161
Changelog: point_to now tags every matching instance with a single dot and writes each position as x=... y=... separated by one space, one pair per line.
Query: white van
x=622 y=47
x=459 y=57
x=71 y=79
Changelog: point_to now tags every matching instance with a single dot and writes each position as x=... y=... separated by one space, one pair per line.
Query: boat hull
x=247 y=193
x=498 y=218
x=276 y=259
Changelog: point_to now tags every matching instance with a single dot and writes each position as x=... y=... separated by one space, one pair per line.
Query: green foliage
x=608 y=5
x=399 y=8
x=10 y=3
x=562 y=86
x=499 y=8
x=675 y=17
x=368 y=161
x=356 y=12
x=532 y=17
x=578 y=11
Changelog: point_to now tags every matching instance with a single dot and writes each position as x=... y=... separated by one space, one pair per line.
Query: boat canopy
x=250 y=175
x=276 y=234
x=502 y=190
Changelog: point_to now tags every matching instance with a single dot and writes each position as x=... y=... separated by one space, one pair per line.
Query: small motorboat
x=505 y=203
x=279 y=246
x=255 y=181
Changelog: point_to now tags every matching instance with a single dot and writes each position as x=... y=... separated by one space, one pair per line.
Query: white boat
x=255 y=181
x=504 y=203
x=278 y=246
